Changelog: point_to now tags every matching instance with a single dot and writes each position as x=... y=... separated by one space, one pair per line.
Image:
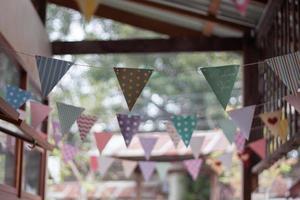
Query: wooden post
x=138 y=187
x=214 y=190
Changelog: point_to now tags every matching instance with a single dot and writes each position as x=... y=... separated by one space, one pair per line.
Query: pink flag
x=85 y=123
x=94 y=164
x=196 y=145
x=241 y=5
x=147 y=168
x=39 y=113
x=128 y=167
x=102 y=139
x=239 y=140
x=105 y=164
x=243 y=118
x=69 y=152
x=294 y=100
x=259 y=147
x=57 y=136
x=148 y=144
x=193 y=167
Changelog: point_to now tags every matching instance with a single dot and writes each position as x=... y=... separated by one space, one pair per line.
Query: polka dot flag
x=129 y=125
x=132 y=82
x=185 y=126
x=16 y=97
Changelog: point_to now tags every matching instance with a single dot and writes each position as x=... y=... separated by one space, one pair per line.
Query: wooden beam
x=162 y=158
x=202 y=44
x=134 y=20
x=209 y=17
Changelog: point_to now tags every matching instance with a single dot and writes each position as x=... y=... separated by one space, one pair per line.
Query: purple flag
x=193 y=167
x=129 y=125
x=148 y=143
x=294 y=100
x=56 y=132
x=147 y=168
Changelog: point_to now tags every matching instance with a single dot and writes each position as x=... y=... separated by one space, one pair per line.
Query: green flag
x=229 y=129
x=221 y=80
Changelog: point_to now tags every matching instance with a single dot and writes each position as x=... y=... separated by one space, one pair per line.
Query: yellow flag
x=283 y=130
x=272 y=121
x=88 y=8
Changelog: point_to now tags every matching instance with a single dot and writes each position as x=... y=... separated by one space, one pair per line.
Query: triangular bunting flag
x=88 y=8
x=259 y=147
x=272 y=121
x=193 y=167
x=286 y=67
x=39 y=113
x=50 y=72
x=132 y=82
x=185 y=126
x=85 y=123
x=105 y=163
x=239 y=140
x=128 y=167
x=229 y=129
x=69 y=152
x=243 y=118
x=147 y=168
x=94 y=163
x=196 y=145
x=67 y=115
x=221 y=80
x=129 y=125
x=162 y=169
x=241 y=5
x=226 y=160
x=56 y=133
x=172 y=133
x=16 y=97
x=148 y=144
x=102 y=139
x=283 y=129
x=294 y=100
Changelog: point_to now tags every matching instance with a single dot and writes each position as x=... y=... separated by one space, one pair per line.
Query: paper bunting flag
x=239 y=140
x=294 y=100
x=51 y=72
x=23 y=114
x=16 y=97
x=39 y=112
x=193 y=167
x=88 y=8
x=241 y=5
x=85 y=123
x=243 y=118
x=272 y=121
x=185 y=126
x=147 y=168
x=226 y=160
x=102 y=139
x=259 y=147
x=129 y=125
x=148 y=144
x=69 y=152
x=56 y=133
x=105 y=164
x=221 y=80
x=286 y=67
x=132 y=82
x=229 y=129
x=128 y=167
x=172 y=133
x=196 y=145
x=67 y=115
x=283 y=129
x=94 y=163
x=162 y=169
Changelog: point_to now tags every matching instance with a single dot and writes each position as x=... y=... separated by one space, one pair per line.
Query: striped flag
x=287 y=68
x=85 y=123
x=50 y=72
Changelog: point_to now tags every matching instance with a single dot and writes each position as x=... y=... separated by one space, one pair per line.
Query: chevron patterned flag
x=85 y=123
x=67 y=115
x=132 y=82
x=193 y=167
x=69 y=152
x=16 y=97
x=51 y=72
x=286 y=67
x=129 y=125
